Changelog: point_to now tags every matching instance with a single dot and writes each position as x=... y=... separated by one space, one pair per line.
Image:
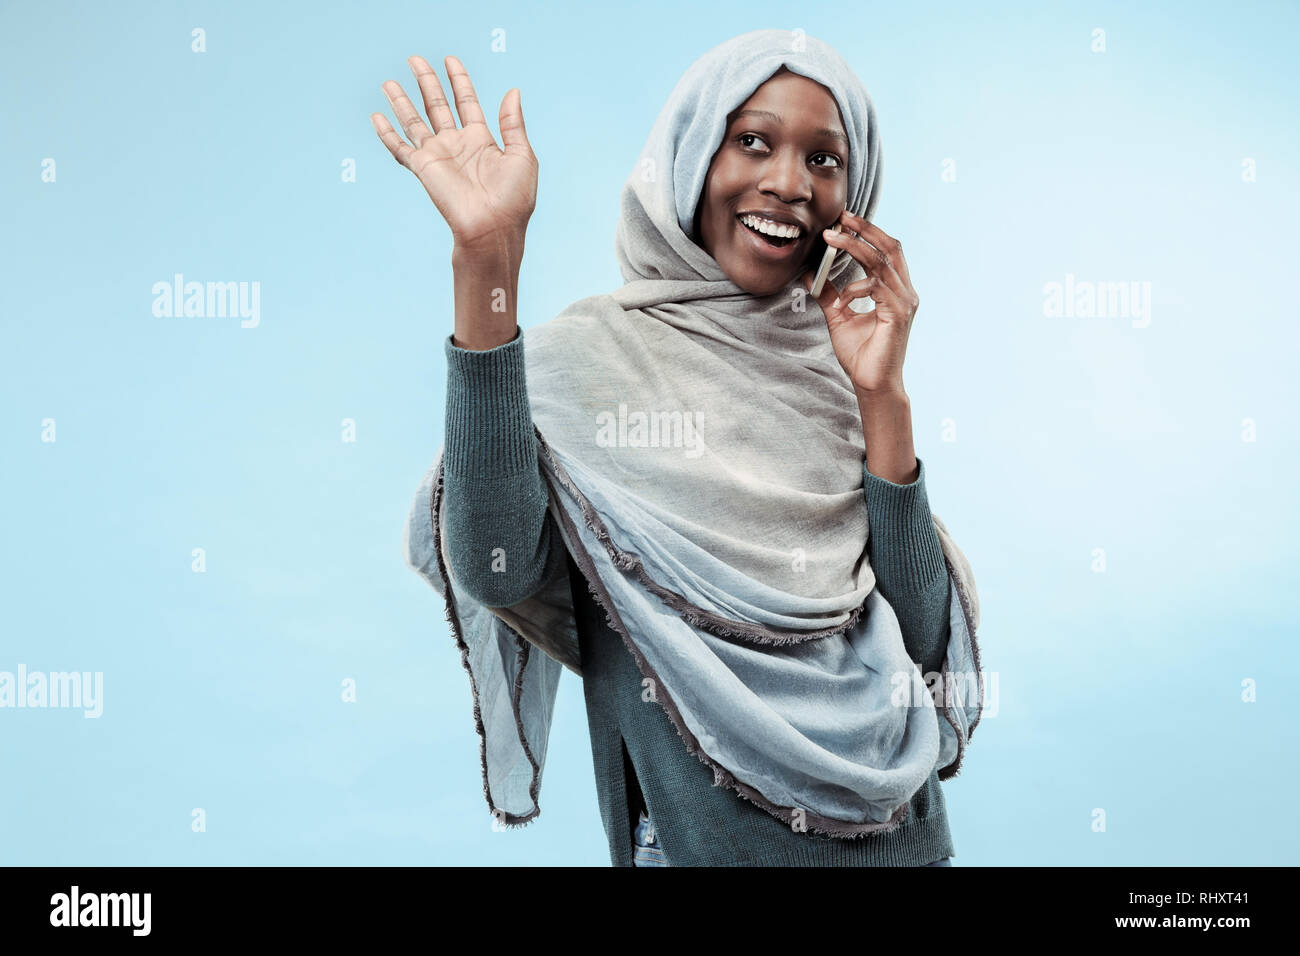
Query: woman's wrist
x=486 y=291
x=887 y=432
x=480 y=340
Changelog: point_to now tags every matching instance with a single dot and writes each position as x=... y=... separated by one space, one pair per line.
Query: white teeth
x=778 y=229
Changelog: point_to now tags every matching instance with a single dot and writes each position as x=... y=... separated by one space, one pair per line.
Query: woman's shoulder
x=575 y=329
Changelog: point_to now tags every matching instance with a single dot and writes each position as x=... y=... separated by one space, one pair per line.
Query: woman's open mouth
x=765 y=243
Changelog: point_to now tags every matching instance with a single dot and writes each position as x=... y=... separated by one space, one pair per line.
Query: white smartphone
x=825 y=269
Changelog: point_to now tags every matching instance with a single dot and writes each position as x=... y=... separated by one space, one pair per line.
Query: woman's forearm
x=907 y=556
x=503 y=544
x=486 y=291
x=904 y=545
x=887 y=429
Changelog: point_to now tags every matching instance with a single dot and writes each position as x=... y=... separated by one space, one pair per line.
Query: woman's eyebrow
x=767 y=114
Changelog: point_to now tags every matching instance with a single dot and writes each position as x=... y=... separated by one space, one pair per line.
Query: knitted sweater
x=496 y=499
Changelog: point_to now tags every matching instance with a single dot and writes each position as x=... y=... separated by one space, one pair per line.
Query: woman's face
x=785 y=154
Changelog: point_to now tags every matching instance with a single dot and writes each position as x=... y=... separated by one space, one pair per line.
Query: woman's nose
x=785 y=177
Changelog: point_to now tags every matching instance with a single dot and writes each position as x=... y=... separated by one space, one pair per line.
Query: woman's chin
x=766 y=282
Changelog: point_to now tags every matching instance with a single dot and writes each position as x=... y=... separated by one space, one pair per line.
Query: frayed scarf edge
x=722 y=777
x=816 y=823
x=954 y=768
x=759 y=634
x=503 y=817
x=696 y=617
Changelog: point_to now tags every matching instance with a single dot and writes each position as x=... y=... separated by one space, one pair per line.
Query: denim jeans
x=647 y=852
x=645 y=845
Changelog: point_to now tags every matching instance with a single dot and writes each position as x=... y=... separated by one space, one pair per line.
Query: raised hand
x=485 y=193
x=871 y=345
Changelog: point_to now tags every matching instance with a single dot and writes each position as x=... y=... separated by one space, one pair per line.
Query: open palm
x=484 y=192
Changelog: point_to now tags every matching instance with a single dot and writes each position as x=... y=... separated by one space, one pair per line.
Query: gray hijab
x=704 y=456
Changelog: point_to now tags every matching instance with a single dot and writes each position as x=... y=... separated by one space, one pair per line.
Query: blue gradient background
x=1118 y=690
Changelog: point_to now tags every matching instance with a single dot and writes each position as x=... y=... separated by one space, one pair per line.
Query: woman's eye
x=752 y=136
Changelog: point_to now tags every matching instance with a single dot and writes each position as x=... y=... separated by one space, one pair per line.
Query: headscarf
x=703 y=454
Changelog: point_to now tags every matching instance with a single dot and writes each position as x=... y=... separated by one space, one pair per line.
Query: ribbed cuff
x=489 y=425
x=906 y=550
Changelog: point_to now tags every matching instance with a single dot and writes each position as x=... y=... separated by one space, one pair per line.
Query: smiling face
x=785 y=155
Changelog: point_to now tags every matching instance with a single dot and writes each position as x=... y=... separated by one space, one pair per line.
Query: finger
x=400 y=149
x=897 y=287
x=466 y=100
x=864 y=288
x=873 y=259
x=829 y=292
x=888 y=302
x=435 y=103
x=891 y=247
x=511 y=121
x=868 y=256
x=404 y=109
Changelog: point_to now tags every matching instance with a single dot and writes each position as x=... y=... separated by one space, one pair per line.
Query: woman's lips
x=765 y=249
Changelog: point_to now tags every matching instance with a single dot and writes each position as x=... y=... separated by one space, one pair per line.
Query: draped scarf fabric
x=703 y=451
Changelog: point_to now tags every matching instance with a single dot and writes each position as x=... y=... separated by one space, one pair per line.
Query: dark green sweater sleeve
x=502 y=543
x=903 y=546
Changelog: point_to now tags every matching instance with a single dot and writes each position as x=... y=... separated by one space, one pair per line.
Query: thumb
x=828 y=294
x=511 y=119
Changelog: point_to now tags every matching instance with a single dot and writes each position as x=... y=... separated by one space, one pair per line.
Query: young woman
x=700 y=492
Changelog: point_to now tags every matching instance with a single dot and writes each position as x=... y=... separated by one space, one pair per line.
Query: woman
x=700 y=492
